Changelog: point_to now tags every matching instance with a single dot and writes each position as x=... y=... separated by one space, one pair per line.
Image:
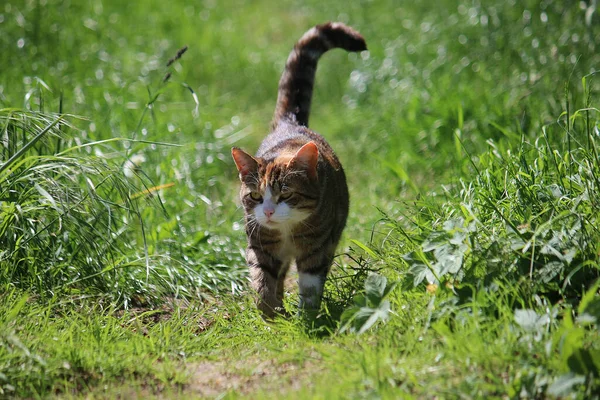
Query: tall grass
x=74 y=219
x=65 y=212
x=527 y=215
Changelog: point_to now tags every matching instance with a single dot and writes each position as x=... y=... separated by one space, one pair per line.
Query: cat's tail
x=296 y=84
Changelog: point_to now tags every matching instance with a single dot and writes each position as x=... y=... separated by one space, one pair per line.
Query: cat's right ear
x=245 y=163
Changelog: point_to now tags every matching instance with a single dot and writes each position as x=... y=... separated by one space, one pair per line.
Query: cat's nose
x=269 y=212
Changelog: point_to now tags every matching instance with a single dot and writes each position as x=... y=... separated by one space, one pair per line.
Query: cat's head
x=282 y=193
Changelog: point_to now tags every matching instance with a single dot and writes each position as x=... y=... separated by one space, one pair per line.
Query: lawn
x=470 y=263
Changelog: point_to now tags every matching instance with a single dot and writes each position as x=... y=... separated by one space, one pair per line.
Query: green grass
x=470 y=263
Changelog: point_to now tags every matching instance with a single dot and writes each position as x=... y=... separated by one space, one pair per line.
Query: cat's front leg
x=267 y=274
x=310 y=287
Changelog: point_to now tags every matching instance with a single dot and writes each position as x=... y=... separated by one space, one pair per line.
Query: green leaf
x=550 y=271
x=369 y=309
x=389 y=288
x=15 y=309
x=380 y=313
x=572 y=341
x=591 y=314
x=421 y=272
x=564 y=385
x=434 y=241
x=374 y=288
x=360 y=300
x=509 y=134
x=365 y=248
x=581 y=361
x=588 y=297
x=46 y=195
x=347 y=318
x=529 y=320
x=30 y=144
x=449 y=260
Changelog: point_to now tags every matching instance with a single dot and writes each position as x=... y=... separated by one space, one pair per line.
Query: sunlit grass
x=73 y=222
x=468 y=134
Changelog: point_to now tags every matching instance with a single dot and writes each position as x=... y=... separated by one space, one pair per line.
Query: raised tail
x=296 y=84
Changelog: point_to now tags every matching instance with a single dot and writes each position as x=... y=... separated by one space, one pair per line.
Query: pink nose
x=269 y=212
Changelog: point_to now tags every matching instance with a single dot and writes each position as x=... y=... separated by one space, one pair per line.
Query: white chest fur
x=288 y=250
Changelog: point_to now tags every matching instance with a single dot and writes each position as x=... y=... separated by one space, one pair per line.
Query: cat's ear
x=245 y=163
x=306 y=158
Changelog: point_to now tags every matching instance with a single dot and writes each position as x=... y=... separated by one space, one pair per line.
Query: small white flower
x=133 y=164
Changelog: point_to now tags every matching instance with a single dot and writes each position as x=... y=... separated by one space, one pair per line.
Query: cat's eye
x=285 y=195
x=255 y=196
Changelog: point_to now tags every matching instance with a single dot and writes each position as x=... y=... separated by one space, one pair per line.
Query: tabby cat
x=294 y=190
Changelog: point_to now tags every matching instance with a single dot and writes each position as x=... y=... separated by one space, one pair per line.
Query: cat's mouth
x=274 y=225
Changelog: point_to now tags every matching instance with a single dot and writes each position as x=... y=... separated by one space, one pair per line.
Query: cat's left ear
x=306 y=158
x=245 y=163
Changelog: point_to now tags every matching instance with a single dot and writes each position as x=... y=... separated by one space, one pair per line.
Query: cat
x=294 y=190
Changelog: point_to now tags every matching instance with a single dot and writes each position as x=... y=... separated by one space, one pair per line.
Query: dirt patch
x=211 y=379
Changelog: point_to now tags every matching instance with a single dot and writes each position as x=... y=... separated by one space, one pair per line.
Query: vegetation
x=470 y=265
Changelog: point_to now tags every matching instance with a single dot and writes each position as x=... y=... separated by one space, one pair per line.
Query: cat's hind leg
x=312 y=273
x=310 y=287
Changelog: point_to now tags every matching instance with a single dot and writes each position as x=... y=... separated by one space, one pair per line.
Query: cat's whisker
x=254 y=227
x=311 y=228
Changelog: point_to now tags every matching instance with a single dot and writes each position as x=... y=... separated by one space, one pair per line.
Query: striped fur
x=296 y=84
x=294 y=190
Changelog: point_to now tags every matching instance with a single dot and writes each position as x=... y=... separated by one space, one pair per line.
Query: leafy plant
x=578 y=357
x=370 y=307
x=442 y=254
x=529 y=215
